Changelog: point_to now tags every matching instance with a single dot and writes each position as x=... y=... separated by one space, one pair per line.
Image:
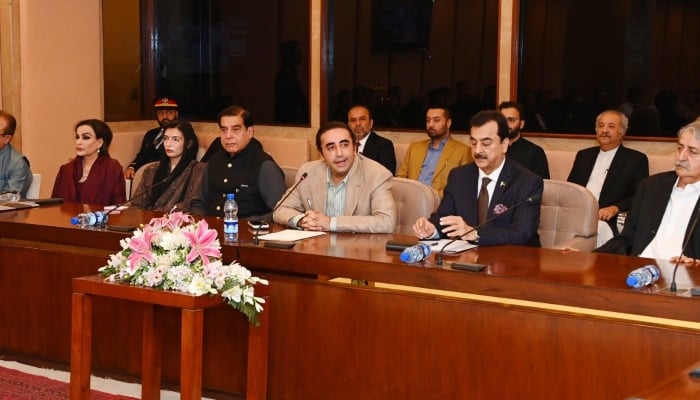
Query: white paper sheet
x=290 y=235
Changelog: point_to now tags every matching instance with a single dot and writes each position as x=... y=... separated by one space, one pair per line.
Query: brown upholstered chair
x=290 y=174
x=413 y=200
x=569 y=216
x=136 y=181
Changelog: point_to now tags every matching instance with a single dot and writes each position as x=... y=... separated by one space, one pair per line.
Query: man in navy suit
x=369 y=143
x=665 y=208
x=610 y=171
x=507 y=184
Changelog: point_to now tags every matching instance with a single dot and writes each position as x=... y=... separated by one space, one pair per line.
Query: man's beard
x=513 y=133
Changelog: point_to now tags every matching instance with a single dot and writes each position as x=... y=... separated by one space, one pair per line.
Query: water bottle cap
x=633 y=280
x=405 y=256
x=74 y=221
x=230 y=196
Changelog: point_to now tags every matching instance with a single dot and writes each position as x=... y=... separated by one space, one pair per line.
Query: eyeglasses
x=512 y=119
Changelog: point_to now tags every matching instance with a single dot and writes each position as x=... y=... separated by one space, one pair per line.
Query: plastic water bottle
x=100 y=218
x=415 y=253
x=643 y=276
x=230 y=219
x=89 y=219
x=84 y=220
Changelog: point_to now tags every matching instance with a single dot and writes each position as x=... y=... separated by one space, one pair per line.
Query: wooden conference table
x=536 y=324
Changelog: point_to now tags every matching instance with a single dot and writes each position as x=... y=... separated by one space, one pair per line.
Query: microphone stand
x=280 y=244
x=103 y=224
x=673 y=287
x=526 y=201
x=256 y=240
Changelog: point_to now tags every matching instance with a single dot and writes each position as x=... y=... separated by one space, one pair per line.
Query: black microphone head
x=303 y=176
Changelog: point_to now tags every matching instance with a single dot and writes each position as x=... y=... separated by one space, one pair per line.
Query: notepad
x=290 y=235
x=17 y=205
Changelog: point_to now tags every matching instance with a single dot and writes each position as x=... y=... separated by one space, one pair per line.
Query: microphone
x=289 y=192
x=686 y=241
x=134 y=197
x=529 y=200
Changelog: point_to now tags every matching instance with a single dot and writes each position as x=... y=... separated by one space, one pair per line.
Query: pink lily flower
x=178 y=219
x=140 y=249
x=203 y=242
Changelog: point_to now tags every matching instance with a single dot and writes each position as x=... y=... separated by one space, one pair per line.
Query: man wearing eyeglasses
x=15 y=174
x=152 y=144
x=521 y=150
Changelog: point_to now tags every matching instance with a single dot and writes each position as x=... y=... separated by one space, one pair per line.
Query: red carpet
x=16 y=385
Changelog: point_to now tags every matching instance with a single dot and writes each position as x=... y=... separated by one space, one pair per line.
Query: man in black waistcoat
x=243 y=168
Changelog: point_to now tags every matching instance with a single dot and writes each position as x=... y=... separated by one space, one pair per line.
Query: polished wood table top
x=578 y=279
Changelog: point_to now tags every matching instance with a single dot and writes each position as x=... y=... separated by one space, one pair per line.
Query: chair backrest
x=569 y=216
x=136 y=181
x=413 y=200
x=34 y=188
x=290 y=174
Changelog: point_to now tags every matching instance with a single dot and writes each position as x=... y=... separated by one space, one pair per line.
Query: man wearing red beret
x=151 y=146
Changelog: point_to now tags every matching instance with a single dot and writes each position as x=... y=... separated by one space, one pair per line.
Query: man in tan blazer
x=342 y=192
x=431 y=160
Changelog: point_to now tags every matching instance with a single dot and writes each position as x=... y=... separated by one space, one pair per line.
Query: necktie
x=483 y=200
x=159 y=139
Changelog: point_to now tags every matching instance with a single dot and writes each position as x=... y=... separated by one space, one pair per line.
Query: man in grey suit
x=369 y=143
x=342 y=192
x=610 y=171
x=665 y=208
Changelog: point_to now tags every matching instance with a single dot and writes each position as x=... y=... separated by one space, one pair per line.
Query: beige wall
x=61 y=78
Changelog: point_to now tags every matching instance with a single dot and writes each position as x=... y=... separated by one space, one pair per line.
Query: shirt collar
x=493 y=175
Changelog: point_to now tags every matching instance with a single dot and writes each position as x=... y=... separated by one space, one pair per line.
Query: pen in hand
x=309 y=203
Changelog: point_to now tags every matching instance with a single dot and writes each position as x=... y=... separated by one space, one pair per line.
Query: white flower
x=200 y=286
x=161 y=263
x=234 y=294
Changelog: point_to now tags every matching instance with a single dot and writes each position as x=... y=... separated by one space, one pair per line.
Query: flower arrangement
x=175 y=253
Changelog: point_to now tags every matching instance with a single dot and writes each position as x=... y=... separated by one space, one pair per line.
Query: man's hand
x=455 y=227
x=129 y=173
x=423 y=228
x=315 y=221
x=684 y=260
x=605 y=213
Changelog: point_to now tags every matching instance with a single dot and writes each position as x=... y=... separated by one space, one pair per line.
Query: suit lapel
x=618 y=162
x=368 y=150
x=468 y=204
x=446 y=153
x=661 y=198
x=504 y=180
x=319 y=189
x=354 y=186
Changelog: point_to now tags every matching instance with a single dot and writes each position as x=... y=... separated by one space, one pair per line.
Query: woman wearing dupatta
x=92 y=177
x=172 y=182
